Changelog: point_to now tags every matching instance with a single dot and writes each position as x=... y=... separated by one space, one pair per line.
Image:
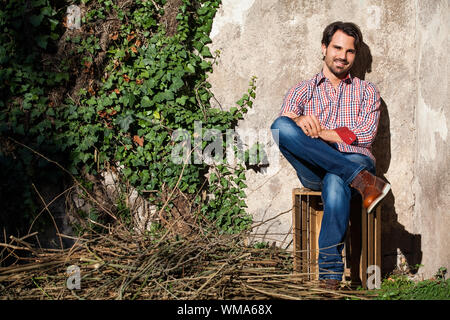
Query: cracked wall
x=279 y=42
x=432 y=156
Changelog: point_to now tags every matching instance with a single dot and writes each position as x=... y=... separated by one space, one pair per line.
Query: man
x=325 y=130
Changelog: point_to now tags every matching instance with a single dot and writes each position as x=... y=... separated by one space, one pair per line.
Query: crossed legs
x=321 y=167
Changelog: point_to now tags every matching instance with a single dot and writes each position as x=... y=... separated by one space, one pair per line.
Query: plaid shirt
x=354 y=104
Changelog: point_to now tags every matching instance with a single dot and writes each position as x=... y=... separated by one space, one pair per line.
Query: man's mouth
x=340 y=63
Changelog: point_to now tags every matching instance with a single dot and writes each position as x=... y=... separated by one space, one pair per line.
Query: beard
x=338 y=70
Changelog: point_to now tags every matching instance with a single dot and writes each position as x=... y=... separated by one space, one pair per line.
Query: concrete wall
x=431 y=217
x=279 y=42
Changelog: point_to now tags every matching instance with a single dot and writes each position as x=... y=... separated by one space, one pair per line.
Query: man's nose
x=342 y=55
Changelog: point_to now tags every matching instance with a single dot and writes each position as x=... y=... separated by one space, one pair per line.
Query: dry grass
x=120 y=264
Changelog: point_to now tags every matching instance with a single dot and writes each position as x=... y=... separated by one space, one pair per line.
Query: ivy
x=29 y=30
x=150 y=85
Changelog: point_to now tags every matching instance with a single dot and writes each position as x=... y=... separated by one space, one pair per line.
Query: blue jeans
x=320 y=166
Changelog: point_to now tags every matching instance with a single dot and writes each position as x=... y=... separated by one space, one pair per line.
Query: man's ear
x=324 y=50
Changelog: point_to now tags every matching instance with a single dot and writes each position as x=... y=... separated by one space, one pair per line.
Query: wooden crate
x=362 y=245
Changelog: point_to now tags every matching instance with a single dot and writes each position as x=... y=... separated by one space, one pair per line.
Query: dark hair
x=348 y=28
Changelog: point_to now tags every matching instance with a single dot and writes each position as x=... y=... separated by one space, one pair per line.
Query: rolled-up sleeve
x=368 y=117
x=294 y=100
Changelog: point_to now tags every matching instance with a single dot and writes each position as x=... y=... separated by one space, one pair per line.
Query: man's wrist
x=330 y=136
x=290 y=114
x=346 y=135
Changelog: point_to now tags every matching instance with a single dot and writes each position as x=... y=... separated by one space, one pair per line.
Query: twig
x=46 y=206
x=272 y=218
x=32 y=279
x=156 y=6
x=155 y=281
x=11 y=246
x=272 y=294
x=6 y=245
x=23 y=243
x=208 y=281
x=175 y=187
x=50 y=214
x=336 y=293
x=30 y=267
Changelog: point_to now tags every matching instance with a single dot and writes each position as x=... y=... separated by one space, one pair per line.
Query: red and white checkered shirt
x=354 y=104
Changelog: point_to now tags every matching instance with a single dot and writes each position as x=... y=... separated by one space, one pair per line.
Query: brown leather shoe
x=372 y=189
x=329 y=284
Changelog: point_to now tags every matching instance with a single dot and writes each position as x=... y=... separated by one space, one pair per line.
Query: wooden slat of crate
x=305 y=235
x=306 y=191
x=315 y=222
x=370 y=239
x=364 y=244
x=378 y=237
x=301 y=229
x=296 y=234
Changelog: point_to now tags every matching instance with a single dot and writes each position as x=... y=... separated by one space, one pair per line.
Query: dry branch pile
x=123 y=265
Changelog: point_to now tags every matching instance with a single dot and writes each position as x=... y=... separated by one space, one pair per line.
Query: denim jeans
x=320 y=166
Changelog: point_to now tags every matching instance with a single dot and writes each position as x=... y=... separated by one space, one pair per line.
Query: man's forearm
x=312 y=128
x=330 y=136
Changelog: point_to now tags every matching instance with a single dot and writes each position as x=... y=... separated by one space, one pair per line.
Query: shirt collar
x=321 y=77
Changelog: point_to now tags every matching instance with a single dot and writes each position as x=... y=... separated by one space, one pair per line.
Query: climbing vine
x=143 y=82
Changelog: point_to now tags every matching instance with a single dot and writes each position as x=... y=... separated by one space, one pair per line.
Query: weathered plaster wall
x=432 y=156
x=279 y=42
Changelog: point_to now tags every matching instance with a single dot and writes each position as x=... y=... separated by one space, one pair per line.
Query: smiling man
x=326 y=128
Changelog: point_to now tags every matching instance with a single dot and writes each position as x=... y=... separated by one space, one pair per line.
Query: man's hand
x=310 y=125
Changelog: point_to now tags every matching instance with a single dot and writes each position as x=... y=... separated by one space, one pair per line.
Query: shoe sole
x=385 y=191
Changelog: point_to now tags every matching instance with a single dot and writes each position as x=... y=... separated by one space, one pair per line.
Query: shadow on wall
x=363 y=62
x=394 y=235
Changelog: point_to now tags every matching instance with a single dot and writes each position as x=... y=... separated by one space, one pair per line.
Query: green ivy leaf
x=190 y=68
x=42 y=41
x=125 y=122
x=182 y=100
x=36 y=20
x=206 y=53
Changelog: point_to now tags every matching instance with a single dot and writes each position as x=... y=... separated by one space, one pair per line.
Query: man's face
x=340 y=54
